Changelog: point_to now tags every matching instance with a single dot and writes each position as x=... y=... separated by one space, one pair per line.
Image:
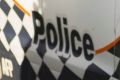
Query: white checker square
x=32 y=56
x=3 y=19
x=15 y=21
x=55 y=74
x=37 y=78
x=105 y=61
x=78 y=65
x=53 y=63
x=35 y=67
x=112 y=78
x=28 y=24
x=17 y=50
x=10 y=3
x=117 y=61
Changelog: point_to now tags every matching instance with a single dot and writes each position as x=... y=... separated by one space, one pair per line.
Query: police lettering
x=67 y=39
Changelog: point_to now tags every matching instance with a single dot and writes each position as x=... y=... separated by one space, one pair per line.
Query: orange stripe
x=21 y=8
x=109 y=46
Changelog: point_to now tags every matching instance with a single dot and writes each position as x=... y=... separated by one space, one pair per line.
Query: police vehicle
x=59 y=39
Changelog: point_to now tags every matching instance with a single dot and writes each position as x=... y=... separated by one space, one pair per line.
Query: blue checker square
x=9 y=32
x=25 y=39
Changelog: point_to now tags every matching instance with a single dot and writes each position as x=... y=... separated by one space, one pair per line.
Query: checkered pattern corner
x=50 y=67
x=14 y=32
x=116 y=49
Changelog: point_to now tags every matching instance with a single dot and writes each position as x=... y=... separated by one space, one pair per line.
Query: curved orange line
x=21 y=8
x=109 y=46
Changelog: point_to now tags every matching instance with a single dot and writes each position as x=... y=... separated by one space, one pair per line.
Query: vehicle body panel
x=60 y=39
